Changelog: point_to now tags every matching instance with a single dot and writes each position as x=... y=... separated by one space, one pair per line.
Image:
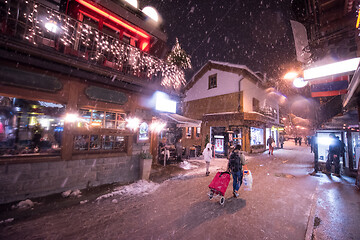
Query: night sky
x=256 y=33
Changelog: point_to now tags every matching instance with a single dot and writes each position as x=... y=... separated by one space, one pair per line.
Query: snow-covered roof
x=231 y=65
x=239 y=66
x=219 y=113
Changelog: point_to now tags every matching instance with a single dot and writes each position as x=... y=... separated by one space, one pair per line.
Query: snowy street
x=282 y=205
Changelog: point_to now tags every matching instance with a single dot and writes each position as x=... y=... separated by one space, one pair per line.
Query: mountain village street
x=285 y=203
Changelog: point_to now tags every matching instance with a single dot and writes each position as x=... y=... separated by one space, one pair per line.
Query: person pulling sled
x=235 y=165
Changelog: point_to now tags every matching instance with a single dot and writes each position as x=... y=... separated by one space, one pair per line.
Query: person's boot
x=236 y=194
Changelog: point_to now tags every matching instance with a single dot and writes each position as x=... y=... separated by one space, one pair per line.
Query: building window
x=30 y=127
x=102 y=119
x=256 y=136
x=100 y=142
x=188 y=132
x=256 y=105
x=213 y=81
x=198 y=130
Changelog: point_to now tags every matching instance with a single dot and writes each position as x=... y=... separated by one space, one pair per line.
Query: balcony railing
x=44 y=27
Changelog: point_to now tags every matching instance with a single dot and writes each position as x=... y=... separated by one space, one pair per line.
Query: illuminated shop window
x=257 y=136
x=30 y=127
x=101 y=119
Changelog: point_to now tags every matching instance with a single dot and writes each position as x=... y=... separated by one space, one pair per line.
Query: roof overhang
x=180 y=121
x=352 y=96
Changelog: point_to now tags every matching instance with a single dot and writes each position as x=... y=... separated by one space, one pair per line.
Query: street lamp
x=290 y=75
x=300 y=82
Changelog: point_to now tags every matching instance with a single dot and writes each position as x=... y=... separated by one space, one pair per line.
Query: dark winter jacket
x=241 y=159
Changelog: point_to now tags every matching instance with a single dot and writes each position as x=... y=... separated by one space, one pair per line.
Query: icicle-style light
x=72 y=33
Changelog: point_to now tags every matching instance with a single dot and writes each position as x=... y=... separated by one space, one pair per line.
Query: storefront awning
x=180 y=121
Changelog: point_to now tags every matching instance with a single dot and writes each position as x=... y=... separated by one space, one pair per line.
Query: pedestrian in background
x=270 y=142
x=314 y=147
x=334 y=155
x=296 y=140
x=281 y=141
x=300 y=139
x=236 y=163
x=207 y=153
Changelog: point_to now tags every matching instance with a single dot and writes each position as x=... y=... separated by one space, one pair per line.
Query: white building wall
x=226 y=83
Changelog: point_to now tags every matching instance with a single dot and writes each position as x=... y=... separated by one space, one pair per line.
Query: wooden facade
x=94 y=148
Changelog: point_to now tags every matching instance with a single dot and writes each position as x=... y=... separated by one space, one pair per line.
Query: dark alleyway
x=283 y=204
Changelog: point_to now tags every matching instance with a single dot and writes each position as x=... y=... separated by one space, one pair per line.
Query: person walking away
x=207 y=153
x=314 y=147
x=296 y=140
x=235 y=165
x=281 y=140
x=270 y=142
x=334 y=155
x=300 y=139
x=342 y=149
x=179 y=150
x=164 y=149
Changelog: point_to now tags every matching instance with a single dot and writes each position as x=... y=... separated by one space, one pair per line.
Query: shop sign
x=163 y=103
x=19 y=78
x=143 y=131
x=106 y=95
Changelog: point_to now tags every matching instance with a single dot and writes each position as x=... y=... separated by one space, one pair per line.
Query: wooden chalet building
x=234 y=106
x=73 y=76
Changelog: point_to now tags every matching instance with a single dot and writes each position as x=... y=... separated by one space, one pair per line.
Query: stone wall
x=29 y=180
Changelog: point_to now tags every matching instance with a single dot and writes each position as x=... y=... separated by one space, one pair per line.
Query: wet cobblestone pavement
x=285 y=203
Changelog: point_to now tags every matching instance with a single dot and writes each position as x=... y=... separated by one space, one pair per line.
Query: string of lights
x=94 y=45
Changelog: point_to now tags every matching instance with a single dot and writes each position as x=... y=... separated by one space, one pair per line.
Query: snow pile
x=9 y=220
x=141 y=187
x=71 y=193
x=26 y=204
x=186 y=165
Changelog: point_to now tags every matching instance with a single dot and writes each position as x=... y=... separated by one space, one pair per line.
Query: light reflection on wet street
x=278 y=207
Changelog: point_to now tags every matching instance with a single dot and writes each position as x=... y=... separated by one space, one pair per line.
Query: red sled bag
x=220 y=183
